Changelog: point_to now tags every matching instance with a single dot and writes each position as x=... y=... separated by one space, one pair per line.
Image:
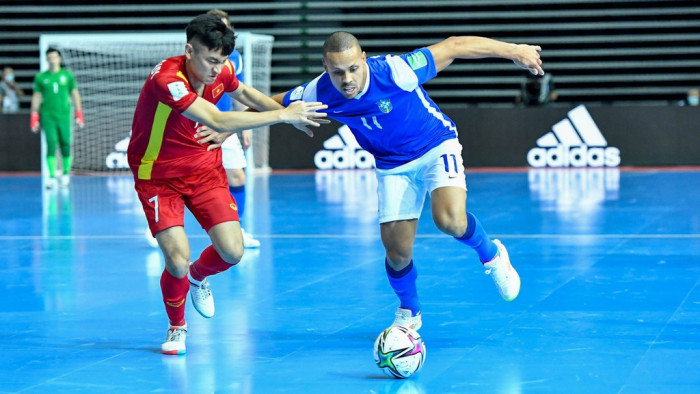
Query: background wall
x=644 y=135
x=599 y=51
x=20 y=149
x=620 y=54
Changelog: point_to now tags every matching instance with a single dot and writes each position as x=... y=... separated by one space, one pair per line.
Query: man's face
x=204 y=64
x=54 y=59
x=347 y=70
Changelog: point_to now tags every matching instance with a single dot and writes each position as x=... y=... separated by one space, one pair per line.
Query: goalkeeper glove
x=79 y=119
x=34 y=121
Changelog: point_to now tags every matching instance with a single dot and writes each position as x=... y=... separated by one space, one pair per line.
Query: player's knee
x=232 y=254
x=177 y=266
x=399 y=256
x=452 y=223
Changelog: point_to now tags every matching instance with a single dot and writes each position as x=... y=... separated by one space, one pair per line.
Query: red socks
x=174 y=296
x=209 y=263
x=175 y=289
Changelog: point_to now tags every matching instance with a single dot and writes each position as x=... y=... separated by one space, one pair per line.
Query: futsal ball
x=399 y=352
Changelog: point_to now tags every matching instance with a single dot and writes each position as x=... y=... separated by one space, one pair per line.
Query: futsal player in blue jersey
x=233 y=149
x=415 y=147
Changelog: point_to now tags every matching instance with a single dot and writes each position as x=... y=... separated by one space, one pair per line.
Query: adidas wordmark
x=343 y=152
x=574 y=142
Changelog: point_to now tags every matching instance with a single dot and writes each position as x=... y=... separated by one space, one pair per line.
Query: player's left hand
x=205 y=135
x=79 y=118
x=245 y=138
x=528 y=57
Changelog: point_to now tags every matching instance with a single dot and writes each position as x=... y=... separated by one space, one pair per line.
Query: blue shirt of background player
x=392 y=118
x=225 y=103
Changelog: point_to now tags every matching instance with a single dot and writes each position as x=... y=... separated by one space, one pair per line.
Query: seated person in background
x=10 y=93
x=693 y=98
x=536 y=90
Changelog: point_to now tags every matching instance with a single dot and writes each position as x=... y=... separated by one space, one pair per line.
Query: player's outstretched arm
x=299 y=114
x=279 y=98
x=253 y=98
x=472 y=47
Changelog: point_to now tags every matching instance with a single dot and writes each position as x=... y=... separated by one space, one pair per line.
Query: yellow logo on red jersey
x=217 y=90
x=234 y=206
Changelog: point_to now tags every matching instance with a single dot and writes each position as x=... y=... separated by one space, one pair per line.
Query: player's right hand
x=301 y=115
x=34 y=122
x=528 y=57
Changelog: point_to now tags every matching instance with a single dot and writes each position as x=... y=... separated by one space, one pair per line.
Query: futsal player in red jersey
x=176 y=161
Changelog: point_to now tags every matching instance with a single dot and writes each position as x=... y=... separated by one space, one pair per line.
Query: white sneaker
x=150 y=238
x=50 y=183
x=202 y=299
x=65 y=180
x=175 y=340
x=504 y=275
x=405 y=318
x=249 y=241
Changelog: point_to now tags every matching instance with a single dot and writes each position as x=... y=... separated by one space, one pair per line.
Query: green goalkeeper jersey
x=55 y=91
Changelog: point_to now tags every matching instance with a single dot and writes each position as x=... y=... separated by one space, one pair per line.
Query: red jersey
x=162 y=141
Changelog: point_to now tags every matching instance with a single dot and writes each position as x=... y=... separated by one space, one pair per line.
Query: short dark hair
x=52 y=49
x=339 y=41
x=212 y=33
x=220 y=14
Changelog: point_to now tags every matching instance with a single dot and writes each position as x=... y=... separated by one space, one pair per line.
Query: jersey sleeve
x=237 y=61
x=421 y=62
x=306 y=92
x=231 y=83
x=174 y=91
x=71 y=82
x=37 y=85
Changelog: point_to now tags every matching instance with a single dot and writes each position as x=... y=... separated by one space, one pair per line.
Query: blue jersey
x=392 y=118
x=225 y=103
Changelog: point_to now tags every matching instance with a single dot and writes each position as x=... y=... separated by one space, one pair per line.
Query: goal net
x=110 y=70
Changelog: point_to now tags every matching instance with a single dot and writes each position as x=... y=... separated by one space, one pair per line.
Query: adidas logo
x=117 y=159
x=343 y=152
x=574 y=142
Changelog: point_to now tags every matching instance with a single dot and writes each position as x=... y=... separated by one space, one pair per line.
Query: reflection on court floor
x=610 y=300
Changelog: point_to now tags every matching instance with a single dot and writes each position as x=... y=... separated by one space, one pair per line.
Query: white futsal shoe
x=202 y=299
x=249 y=241
x=503 y=274
x=405 y=318
x=65 y=180
x=175 y=340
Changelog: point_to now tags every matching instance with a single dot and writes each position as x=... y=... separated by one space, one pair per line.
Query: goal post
x=110 y=70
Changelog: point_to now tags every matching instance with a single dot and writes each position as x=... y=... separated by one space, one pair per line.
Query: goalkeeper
x=51 y=111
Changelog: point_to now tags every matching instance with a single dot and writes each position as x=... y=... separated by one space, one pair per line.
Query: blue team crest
x=385 y=105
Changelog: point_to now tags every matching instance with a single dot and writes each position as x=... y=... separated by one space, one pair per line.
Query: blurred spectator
x=536 y=90
x=9 y=91
x=693 y=97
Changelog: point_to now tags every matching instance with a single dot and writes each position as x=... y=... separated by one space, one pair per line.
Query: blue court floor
x=610 y=299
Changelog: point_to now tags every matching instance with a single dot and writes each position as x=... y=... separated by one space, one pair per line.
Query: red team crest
x=217 y=90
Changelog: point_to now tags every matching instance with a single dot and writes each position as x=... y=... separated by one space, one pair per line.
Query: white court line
x=340 y=236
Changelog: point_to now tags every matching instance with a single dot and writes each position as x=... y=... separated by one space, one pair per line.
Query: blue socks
x=238 y=193
x=477 y=238
x=404 y=284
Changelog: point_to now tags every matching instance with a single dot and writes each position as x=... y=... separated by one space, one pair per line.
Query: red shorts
x=206 y=195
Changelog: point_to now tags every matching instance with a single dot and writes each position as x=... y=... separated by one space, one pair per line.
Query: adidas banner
x=556 y=137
